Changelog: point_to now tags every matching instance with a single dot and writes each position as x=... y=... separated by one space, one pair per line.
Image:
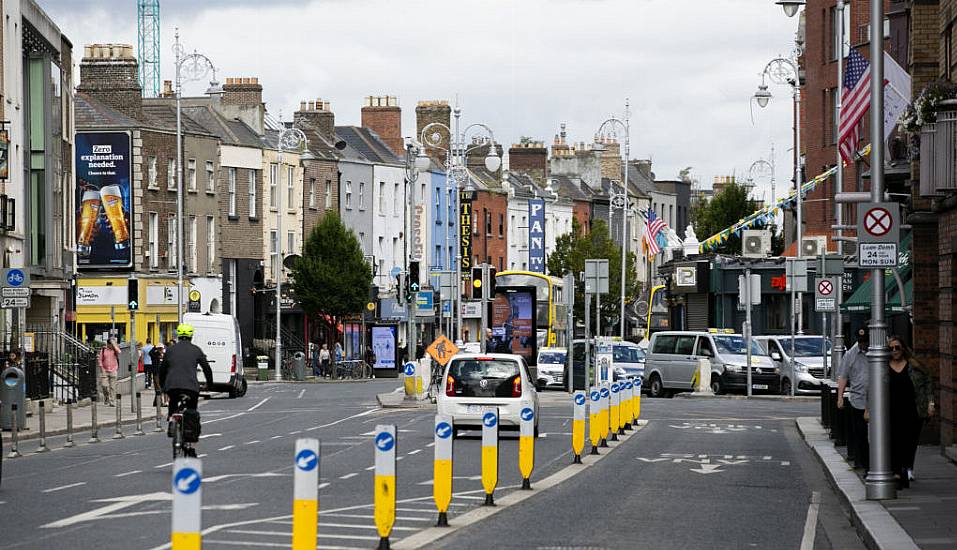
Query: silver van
x=672 y=363
x=808 y=361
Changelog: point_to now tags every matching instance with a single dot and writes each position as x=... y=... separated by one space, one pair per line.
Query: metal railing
x=59 y=367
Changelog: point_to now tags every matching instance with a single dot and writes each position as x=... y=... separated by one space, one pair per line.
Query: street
x=702 y=473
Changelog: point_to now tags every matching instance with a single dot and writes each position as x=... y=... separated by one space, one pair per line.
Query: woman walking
x=911 y=403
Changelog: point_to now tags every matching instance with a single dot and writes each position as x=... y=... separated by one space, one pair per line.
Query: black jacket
x=178 y=369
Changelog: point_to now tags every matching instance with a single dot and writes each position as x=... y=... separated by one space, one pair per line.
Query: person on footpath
x=911 y=402
x=108 y=362
x=148 y=363
x=156 y=356
x=325 y=370
x=852 y=375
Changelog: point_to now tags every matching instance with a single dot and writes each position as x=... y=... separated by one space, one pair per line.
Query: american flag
x=653 y=227
x=855 y=100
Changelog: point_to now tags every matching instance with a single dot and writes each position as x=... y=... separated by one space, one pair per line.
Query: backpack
x=191 y=426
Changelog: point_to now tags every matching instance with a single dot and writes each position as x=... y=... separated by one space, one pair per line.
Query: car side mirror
x=776 y=356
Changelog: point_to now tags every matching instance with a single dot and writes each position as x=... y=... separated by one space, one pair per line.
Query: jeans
x=857 y=439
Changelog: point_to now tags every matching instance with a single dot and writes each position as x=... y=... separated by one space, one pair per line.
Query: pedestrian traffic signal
x=412 y=282
x=133 y=294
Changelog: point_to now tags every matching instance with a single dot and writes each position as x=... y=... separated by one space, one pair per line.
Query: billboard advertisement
x=513 y=324
x=104 y=226
x=465 y=231
x=536 y=235
x=384 y=343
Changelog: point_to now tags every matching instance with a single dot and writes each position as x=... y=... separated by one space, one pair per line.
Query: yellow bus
x=551 y=310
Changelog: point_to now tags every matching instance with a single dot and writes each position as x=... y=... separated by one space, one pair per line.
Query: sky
x=523 y=67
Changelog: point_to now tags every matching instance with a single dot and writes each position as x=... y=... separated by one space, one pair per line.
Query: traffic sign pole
x=305 y=504
x=578 y=425
x=385 y=443
x=490 y=453
x=442 y=467
x=526 y=446
x=187 y=504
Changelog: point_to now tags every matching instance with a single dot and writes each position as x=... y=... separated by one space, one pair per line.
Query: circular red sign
x=878 y=221
x=825 y=288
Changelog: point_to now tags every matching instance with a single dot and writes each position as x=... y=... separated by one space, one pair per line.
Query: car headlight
x=777 y=370
x=732 y=368
x=800 y=367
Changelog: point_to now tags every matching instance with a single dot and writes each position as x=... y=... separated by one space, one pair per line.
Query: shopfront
x=102 y=309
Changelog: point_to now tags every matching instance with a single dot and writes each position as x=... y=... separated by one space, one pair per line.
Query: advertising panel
x=384 y=343
x=513 y=323
x=103 y=198
x=536 y=235
x=4 y=155
x=465 y=232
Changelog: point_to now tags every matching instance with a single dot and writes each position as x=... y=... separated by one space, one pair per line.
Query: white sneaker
x=910 y=474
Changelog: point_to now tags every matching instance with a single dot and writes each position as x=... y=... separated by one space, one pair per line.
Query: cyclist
x=177 y=371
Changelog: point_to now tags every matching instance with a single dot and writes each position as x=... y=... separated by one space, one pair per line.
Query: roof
x=568 y=189
x=90 y=113
x=163 y=117
x=368 y=144
x=231 y=132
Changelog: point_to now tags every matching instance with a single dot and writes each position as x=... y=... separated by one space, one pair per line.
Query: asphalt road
x=116 y=494
x=703 y=474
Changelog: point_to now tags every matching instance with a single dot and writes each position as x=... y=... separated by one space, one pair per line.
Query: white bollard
x=704 y=377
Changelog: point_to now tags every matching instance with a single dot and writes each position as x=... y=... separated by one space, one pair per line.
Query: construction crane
x=148 y=34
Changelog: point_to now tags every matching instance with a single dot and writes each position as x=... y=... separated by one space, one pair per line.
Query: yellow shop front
x=102 y=308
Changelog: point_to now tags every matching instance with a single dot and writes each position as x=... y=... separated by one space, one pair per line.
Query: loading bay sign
x=878 y=234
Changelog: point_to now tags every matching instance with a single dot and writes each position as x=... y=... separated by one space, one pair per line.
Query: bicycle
x=354 y=369
x=181 y=447
x=437 y=383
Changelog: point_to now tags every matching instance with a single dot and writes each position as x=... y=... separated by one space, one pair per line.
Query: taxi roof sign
x=442 y=350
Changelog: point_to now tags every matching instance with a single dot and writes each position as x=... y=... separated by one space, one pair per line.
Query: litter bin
x=13 y=391
x=299 y=366
x=262 y=368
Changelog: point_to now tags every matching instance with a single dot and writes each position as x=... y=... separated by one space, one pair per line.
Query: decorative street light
x=791 y=7
x=456 y=164
x=189 y=68
x=607 y=129
x=763 y=166
x=291 y=139
x=415 y=162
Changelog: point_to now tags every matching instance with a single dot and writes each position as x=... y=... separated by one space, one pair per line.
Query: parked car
x=474 y=382
x=552 y=367
x=672 y=363
x=808 y=361
x=628 y=360
x=218 y=336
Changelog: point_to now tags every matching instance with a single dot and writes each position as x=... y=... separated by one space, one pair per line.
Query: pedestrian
x=156 y=358
x=338 y=354
x=325 y=370
x=108 y=361
x=910 y=393
x=370 y=357
x=148 y=363
x=852 y=375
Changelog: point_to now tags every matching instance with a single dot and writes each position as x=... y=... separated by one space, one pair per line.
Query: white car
x=476 y=381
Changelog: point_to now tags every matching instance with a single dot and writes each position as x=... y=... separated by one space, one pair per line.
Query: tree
x=724 y=210
x=332 y=277
x=571 y=251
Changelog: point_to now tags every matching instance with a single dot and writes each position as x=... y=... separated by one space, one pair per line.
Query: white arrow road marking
x=730 y=462
x=708 y=469
x=116 y=504
x=682 y=427
x=651 y=459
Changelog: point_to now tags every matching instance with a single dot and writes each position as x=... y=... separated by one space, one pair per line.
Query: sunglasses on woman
x=896 y=348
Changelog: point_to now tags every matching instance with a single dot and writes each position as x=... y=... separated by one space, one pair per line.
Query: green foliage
x=722 y=211
x=571 y=251
x=332 y=277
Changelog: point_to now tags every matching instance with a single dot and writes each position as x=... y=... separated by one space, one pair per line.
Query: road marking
x=370 y=516
x=116 y=504
x=431 y=444
x=207 y=436
x=257 y=405
x=370 y=468
x=253 y=442
x=295 y=432
x=226 y=448
x=415 y=452
x=358 y=526
x=237 y=415
x=204 y=455
x=300 y=394
x=63 y=487
x=324 y=485
x=163 y=465
x=128 y=473
x=341 y=420
x=275 y=437
x=708 y=469
x=227 y=476
x=810 y=525
x=347 y=476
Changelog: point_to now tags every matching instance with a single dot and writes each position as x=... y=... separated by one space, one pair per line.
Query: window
x=382 y=198
x=210 y=243
x=488 y=223
x=501 y=262
x=154 y=240
x=362 y=195
x=830 y=113
x=396 y=254
x=171 y=175
x=665 y=344
x=231 y=191
x=191 y=175
x=274 y=254
x=273 y=182
x=232 y=266
x=191 y=242
x=171 y=242
x=349 y=194
x=210 y=177
x=395 y=201
x=328 y=193
x=501 y=225
x=312 y=192
x=252 y=193
x=291 y=188
x=438 y=256
x=151 y=173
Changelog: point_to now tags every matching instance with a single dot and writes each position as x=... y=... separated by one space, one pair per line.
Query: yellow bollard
x=384 y=482
x=578 y=426
x=605 y=405
x=624 y=422
x=187 y=504
x=442 y=468
x=409 y=378
x=594 y=418
x=490 y=454
x=615 y=413
x=526 y=446
x=305 y=504
x=637 y=411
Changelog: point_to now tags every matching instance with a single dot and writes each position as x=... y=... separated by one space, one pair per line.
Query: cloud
x=689 y=67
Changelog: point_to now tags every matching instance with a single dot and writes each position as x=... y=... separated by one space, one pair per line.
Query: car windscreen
x=806 y=347
x=627 y=354
x=484 y=377
x=551 y=358
x=734 y=345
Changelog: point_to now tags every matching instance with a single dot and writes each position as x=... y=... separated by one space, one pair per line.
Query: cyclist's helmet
x=184 y=330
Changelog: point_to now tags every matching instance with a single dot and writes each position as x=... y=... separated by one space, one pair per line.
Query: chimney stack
x=427 y=112
x=382 y=115
x=531 y=158
x=315 y=118
x=109 y=75
x=242 y=98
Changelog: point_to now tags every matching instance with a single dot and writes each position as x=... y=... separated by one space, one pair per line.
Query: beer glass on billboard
x=89 y=218
x=113 y=206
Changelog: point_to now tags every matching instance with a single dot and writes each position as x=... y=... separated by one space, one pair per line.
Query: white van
x=218 y=336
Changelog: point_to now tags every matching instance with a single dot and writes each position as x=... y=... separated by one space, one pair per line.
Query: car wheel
x=785 y=387
x=716 y=386
x=656 y=389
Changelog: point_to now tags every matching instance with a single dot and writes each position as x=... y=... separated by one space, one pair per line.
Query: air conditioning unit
x=756 y=243
x=814 y=246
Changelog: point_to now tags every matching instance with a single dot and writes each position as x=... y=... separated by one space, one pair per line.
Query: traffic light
x=478 y=288
x=133 y=294
x=413 y=281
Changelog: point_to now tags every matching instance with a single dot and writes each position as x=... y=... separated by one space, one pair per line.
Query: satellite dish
x=290 y=261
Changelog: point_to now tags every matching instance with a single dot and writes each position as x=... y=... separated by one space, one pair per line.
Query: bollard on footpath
x=69 y=426
x=636 y=412
x=385 y=443
x=578 y=426
x=15 y=435
x=594 y=418
x=43 y=429
x=94 y=427
x=614 y=415
x=158 y=401
x=118 y=434
x=139 y=415
x=490 y=454
x=526 y=446
x=305 y=504
x=187 y=504
x=603 y=414
x=442 y=468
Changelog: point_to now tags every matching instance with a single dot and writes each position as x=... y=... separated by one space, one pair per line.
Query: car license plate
x=759 y=386
x=476 y=409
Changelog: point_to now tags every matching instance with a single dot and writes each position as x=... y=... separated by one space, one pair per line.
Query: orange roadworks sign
x=442 y=349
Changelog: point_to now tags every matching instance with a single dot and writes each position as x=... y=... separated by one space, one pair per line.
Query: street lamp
x=456 y=166
x=288 y=139
x=415 y=162
x=189 y=68
x=791 y=7
x=607 y=128
x=763 y=165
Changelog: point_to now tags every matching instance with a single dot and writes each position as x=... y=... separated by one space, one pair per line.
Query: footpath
x=923 y=516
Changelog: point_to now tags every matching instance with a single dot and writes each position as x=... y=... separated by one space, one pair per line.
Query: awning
x=861 y=299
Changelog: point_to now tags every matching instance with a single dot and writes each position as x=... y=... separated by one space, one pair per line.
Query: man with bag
x=177 y=374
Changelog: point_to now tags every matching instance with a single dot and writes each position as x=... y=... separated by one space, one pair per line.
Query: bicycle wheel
x=177 y=440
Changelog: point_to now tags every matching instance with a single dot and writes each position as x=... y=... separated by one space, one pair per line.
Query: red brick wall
x=494 y=247
x=322 y=171
x=387 y=122
x=582 y=213
x=947 y=232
